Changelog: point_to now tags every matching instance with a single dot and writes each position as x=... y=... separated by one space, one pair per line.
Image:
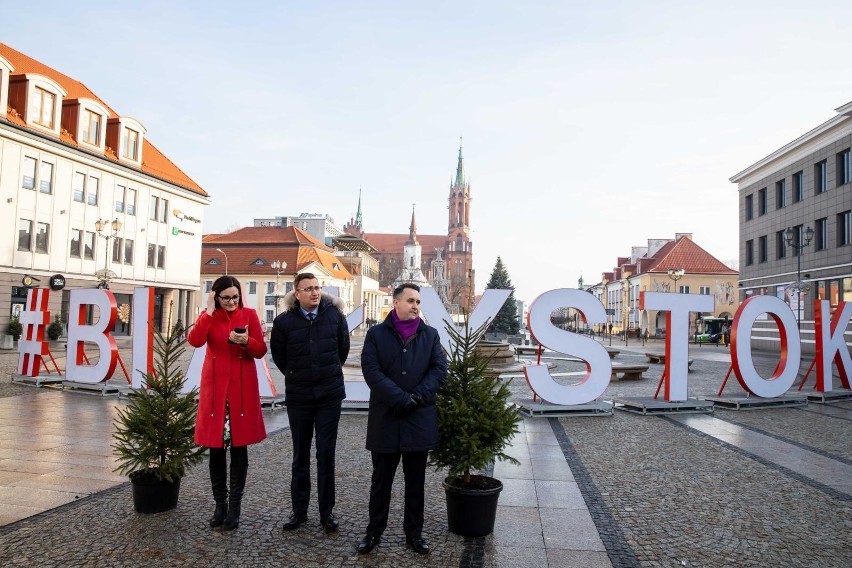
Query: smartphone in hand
x=238 y=330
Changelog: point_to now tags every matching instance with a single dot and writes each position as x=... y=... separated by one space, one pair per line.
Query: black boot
x=239 y=471
x=219 y=481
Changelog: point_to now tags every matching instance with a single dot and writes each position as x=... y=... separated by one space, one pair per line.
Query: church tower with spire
x=459 y=248
x=355 y=226
x=411 y=258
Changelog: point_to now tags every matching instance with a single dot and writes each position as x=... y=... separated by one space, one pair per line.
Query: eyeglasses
x=229 y=298
x=310 y=290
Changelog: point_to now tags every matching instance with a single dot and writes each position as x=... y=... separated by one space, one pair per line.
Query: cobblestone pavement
x=661 y=494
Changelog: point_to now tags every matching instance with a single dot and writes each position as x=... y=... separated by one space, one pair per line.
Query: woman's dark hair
x=226 y=282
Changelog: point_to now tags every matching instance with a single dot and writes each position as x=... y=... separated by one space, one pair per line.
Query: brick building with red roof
x=665 y=265
x=87 y=196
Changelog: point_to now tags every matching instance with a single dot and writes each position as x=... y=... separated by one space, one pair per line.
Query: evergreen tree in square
x=506 y=320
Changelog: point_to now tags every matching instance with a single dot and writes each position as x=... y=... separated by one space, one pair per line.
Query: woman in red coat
x=229 y=400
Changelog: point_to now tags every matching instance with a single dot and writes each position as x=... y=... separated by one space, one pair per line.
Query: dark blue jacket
x=393 y=372
x=311 y=354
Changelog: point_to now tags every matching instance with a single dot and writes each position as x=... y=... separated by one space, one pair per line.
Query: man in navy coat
x=404 y=366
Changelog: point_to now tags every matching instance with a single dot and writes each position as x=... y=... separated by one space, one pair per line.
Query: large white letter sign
x=33 y=320
x=98 y=333
x=677 y=335
x=598 y=363
x=436 y=314
x=831 y=344
x=785 y=373
x=143 y=335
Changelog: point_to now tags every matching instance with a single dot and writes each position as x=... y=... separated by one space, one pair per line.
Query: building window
x=270 y=287
x=161 y=256
x=164 y=211
x=130 y=144
x=798 y=186
x=90 y=131
x=269 y=300
x=704 y=290
x=270 y=316
x=42 y=239
x=89 y=245
x=43 y=106
x=25 y=234
x=684 y=290
x=780 y=245
x=92 y=194
x=761 y=248
x=844 y=167
x=821 y=234
x=131 y=202
x=28 y=173
x=208 y=285
x=781 y=194
x=749 y=253
x=128 y=251
x=155 y=205
x=152 y=255
x=79 y=187
x=76 y=239
x=116 y=250
x=120 y=190
x=821 y=177
x=761 y=202
x=252 y=287
x=844 y=229
x=45 y=177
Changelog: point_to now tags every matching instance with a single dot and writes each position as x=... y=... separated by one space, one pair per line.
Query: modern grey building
x=796 y=226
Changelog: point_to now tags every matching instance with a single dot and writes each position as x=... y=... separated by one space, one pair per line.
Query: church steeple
x=359 y=221
x=460 y=167
x=412 y=229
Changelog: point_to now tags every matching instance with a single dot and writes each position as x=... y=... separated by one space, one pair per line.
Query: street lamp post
x=794 y=239
x=226 y=260
x=278 y=266
x=104 y=276
x=626 y=307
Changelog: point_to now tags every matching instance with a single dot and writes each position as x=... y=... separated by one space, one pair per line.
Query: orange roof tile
x=245 y=246
x=154 y=162
x=684 y=253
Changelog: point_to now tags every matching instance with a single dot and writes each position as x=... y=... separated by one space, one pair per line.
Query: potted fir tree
x=475 y=424
x=155 y=433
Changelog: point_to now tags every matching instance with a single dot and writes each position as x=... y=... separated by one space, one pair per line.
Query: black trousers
x=384 y=470
x=304 y=421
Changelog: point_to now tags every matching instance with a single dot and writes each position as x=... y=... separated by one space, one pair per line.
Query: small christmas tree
x=506 y=320
x=475 y=421
x=155 y=434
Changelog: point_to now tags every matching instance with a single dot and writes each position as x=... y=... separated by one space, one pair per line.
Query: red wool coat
x=229 y=373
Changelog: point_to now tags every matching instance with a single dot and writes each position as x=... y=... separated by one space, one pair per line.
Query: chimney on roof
x=678 y=236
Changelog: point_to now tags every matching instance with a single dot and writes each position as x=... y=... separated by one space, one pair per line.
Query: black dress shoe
x=368 y=543
x=294 y=521
x=329 y=523
x=417 y=544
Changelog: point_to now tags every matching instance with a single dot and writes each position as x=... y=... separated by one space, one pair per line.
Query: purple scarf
x=405 y=328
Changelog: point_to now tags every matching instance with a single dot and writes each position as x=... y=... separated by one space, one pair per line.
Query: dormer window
x=259 y=262
x=213 y=261
x=90 y=128
x=130 y=144
x=44 y=104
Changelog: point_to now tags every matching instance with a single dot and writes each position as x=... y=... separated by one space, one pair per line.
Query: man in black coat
x=404 y=366
x=309 y=344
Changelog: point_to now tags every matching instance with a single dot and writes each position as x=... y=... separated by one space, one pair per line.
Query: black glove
x=410 y=406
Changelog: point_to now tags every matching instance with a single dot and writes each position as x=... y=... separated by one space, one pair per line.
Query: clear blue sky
x=588 y=127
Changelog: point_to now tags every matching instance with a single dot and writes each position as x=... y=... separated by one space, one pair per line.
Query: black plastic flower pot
x=151 y=495
x=472 y=510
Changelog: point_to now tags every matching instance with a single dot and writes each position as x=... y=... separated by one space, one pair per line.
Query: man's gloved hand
x=418 y=400
x=410 y=406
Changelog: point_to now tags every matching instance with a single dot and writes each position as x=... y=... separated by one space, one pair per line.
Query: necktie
x=311 y=316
